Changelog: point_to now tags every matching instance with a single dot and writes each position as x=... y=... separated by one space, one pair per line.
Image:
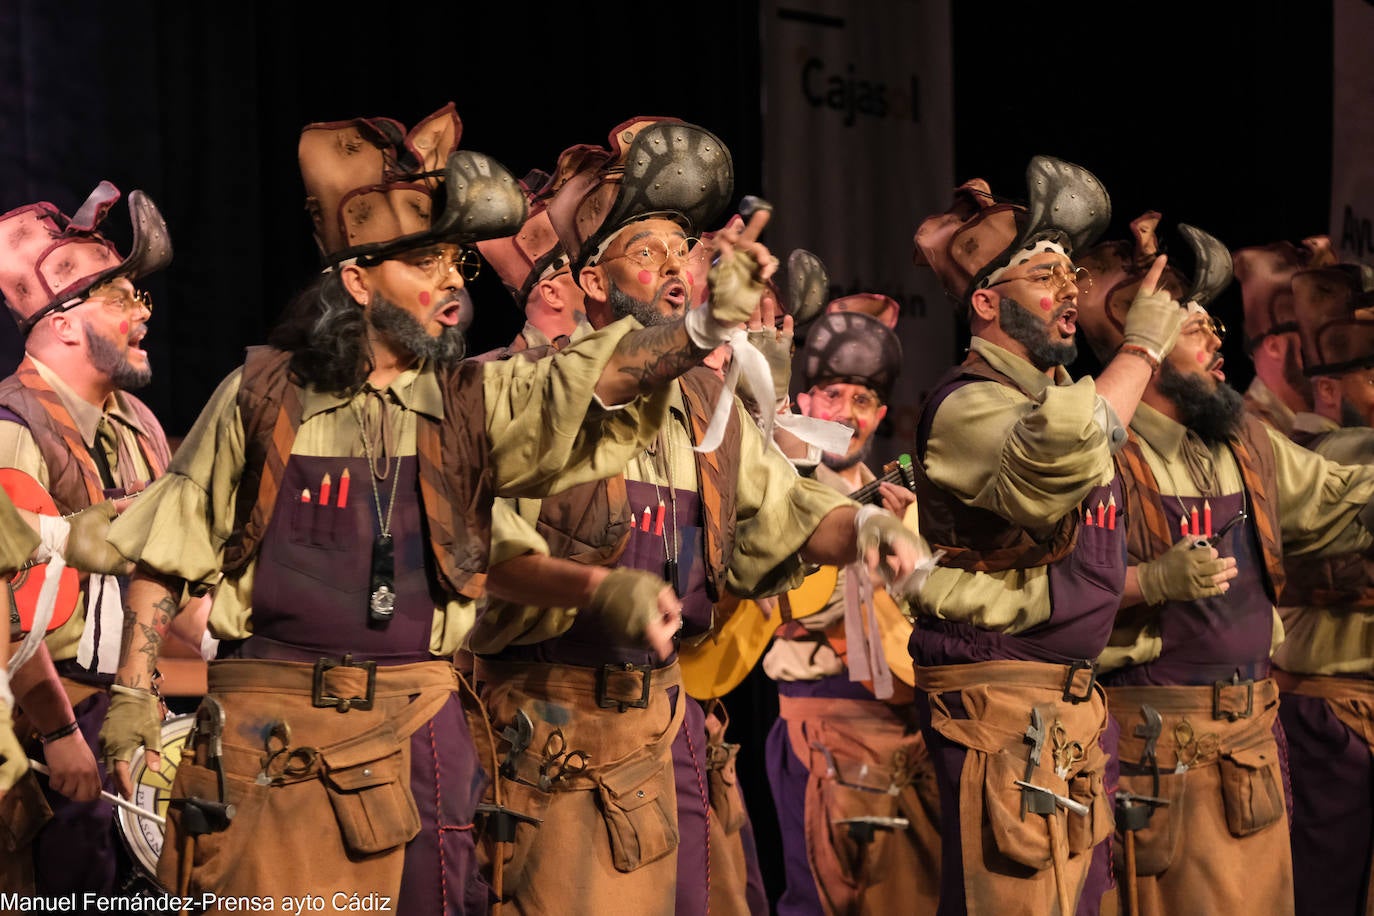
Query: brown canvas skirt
x=607 y=838
x=1013 y=861
x=329 y=815
x=1226 y=812
x=864 y=761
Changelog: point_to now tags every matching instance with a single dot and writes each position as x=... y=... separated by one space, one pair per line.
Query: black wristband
x=69 y=729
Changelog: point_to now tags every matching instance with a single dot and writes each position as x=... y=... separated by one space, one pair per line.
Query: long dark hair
x=325 y=331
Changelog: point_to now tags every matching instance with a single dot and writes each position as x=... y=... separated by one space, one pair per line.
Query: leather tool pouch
x=23 y=813
x=1024 y=841
x=1156 y=843
x=639 y=806
x=368 y=786
x=1085 y=787
x=1252 y=788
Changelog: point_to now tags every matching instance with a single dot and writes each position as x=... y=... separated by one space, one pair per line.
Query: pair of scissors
x=1066 y=752
x=560 y=763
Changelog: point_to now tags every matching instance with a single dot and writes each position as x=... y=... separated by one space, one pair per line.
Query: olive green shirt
x=19 y=450
x=1317 y=502
x=17 y=539
x=1331 y=640
x=776 y=511
x=1030 y=458
x=543 y=437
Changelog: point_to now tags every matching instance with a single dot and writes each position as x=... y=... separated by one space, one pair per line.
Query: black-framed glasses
x=1054 y=276
x=652 y=252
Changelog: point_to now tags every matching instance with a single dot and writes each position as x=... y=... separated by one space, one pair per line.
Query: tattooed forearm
x=646 y=359
x=151 y=604
x=149 y=650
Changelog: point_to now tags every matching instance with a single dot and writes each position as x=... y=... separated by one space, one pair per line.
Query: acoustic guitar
x=742 y=630
x=26 y=493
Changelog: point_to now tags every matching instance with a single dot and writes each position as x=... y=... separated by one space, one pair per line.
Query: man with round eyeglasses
x=1010 y=450
x=1216 y=499
x=710 y=507
x=69 y=422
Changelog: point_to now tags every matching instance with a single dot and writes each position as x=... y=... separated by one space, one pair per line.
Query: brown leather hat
x=1335 y=316
x=1265 y=274
x=373 y=189
x=979 y=235
x=652 y=167
x=1118 y=267
x=48 y=259
x=875 y=305
x=853 y=348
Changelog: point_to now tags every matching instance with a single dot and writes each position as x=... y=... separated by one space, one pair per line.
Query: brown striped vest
x=1148 y=532
x=590 y=523
x=456 y=489
x=73 y=476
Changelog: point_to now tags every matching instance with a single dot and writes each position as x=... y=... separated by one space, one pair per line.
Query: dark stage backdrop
x=1223 y=121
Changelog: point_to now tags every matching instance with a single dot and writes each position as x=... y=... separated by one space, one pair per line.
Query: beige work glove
x=87 y=547
x=776 y=347
x=14 y=763
x=735 y=288
x=1181 y=573
x=1153 y=323
x=133 y=721
x=626 y=602
x=890 y=548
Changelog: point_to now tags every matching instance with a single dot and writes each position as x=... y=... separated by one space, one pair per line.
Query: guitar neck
x=897 y=471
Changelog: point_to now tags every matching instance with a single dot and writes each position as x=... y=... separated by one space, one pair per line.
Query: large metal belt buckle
x=1074 y=668
x=322 y=700
x=1235 y=682
x=603 y=677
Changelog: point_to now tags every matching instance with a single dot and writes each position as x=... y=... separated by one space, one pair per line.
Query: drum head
x=152 y=791
x=26 y=493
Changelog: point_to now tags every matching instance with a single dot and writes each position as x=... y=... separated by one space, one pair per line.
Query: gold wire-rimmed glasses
x=652 y=252
x=1055 y=276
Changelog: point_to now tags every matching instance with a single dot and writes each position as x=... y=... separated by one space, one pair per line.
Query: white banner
x=1352 y=131
x=858 y=148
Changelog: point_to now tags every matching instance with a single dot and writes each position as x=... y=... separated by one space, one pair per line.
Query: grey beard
x=106 y=358
x=1033 y=334
x=1213 y=413
x=623 y=304
x=405 y=332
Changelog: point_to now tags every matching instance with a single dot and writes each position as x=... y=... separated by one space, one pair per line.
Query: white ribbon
x=105 y=614
x=52 y=533
x=826 y=435
x=747 y=362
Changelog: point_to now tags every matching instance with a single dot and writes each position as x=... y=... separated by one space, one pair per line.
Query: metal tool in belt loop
x=1133 y=812
x=1035 y=737
x=200 y=816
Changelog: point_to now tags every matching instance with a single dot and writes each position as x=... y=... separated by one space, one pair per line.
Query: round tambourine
x=152 y=791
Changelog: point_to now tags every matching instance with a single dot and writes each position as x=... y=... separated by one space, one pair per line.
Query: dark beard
x=1213 y=413
x=405 y=333
x=106 y=357
x=848 y=460
x=1292 y=372
x=1351 y=415
x=1033 y=334
x=623 y=304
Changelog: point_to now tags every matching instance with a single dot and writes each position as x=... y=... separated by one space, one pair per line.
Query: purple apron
x=310 y=599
